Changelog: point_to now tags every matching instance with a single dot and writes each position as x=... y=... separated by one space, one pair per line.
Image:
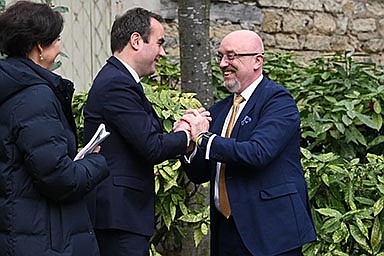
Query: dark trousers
x=230 y=243
x=114 y=242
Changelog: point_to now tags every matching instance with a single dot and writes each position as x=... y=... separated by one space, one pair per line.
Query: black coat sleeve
x=41 y=137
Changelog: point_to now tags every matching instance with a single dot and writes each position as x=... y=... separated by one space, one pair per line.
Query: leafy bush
x=339 y=101
x=178 y=203
x=348 y=201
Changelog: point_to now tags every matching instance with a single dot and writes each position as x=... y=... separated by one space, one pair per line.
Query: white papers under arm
x=100 y=135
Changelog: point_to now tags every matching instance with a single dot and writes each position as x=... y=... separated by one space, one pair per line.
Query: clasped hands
x=194 y=121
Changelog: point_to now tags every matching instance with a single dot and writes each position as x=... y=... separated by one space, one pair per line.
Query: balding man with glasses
x=251 y=155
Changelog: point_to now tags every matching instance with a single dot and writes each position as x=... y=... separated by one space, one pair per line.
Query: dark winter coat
x=42 y=211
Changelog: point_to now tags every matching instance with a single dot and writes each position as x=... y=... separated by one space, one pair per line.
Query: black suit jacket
x=125 y=200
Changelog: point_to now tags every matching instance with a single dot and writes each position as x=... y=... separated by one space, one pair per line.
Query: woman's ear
x=40 y=49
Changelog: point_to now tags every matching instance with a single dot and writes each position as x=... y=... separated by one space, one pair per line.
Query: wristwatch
x=203 y=139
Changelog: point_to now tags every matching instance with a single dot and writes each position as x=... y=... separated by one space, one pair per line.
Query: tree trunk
x=196 y=76
x=195 y=57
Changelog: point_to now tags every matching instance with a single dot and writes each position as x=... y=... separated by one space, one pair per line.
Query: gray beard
x=232 y=85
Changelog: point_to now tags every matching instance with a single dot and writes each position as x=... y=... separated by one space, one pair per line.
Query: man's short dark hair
x=134 y=20
x=26 y=24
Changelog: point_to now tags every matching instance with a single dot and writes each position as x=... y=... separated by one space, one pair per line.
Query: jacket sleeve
x=41 y=139
x=262 y=140
x=198 y=169
x=130 y=114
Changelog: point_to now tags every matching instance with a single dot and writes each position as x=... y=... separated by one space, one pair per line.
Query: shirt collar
x=131 y=70
x=247 y=93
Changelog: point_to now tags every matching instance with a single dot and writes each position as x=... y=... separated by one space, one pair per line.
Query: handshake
x=195 y=122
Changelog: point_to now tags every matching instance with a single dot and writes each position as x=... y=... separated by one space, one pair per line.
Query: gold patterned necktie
x=225 y=208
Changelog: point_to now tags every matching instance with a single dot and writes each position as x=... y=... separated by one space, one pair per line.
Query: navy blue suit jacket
x=125 y=200
x=266 y=188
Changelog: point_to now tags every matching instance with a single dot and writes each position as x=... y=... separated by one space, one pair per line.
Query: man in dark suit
x=259 y=197
x=122 y=207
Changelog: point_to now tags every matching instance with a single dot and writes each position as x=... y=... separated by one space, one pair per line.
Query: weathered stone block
x=287 y=41
x=341 y=24
x=236 y=13
x=317 y=43
x=374 y=45
x=268 y=40
x=339 y=43
x=380 y=27
x=333 y=6
x=296 y=22
x=274 y=3
x=364 y=25
x=305 y=5
x=324 y=23
x=271 y=22
x=376 y=8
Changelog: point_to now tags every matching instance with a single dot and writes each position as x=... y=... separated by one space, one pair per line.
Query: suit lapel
x=249 y=107
x=219 y=120
x=139 y=88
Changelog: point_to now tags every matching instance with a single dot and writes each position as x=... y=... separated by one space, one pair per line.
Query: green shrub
x=178 y=204
x=347 y=199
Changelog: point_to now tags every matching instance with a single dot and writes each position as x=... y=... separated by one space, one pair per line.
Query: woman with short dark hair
x=42 y=207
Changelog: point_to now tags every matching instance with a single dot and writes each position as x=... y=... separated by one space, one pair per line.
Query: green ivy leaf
x=378 y=206
x=340 y=127
x=380 y=187
x=167 y=125
x=378 y=120
x=190 y=218
x=198 y=236
x=338 y=253
x=362 y=227
x=366 y=120
x=204 y=229
x=331 y=225
x=346 y=120
x=167 y=218
x=376 y=141
x=170 y=184
x=376 y=235
x=172 y=211
x=157 y=185
x=329 y=212
x=328 y=157
x=325 y=179
x=377 y=107
x=340 y=234
x=359 y=237
x=306 y=153
x=183 y=208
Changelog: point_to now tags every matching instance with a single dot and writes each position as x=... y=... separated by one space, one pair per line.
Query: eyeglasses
x=231 y=56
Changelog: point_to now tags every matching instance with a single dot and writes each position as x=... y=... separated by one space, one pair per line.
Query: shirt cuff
x=188 y=159
x=188 y=137
x=208 y=148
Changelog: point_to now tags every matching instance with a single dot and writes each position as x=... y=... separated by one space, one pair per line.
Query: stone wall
x=308 y=27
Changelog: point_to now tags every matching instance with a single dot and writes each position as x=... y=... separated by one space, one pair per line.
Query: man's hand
x=198 y=120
